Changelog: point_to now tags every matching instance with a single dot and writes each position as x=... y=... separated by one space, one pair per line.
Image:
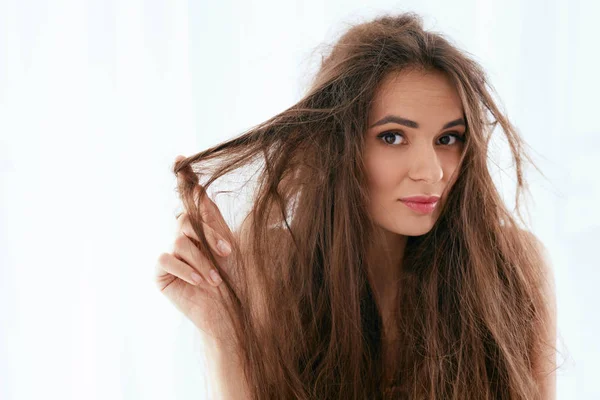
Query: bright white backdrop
x=97 y=98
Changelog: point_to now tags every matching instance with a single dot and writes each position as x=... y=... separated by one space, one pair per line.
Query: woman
x=340 y=283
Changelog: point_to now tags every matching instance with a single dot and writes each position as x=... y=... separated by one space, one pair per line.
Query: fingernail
x=223 y=247
x=196 y=278
x=214 y=275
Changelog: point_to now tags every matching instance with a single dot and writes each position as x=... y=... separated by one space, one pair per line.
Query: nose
x=425 y=165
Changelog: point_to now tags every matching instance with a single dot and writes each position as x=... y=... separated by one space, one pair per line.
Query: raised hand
x=187 y=277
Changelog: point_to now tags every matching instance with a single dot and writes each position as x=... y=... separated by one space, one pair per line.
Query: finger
x=178 y=159
x=182 y=182
x=216 y=241
x=209 y=211
x=179 y=175
x=168 y=263
x=185 y=249
x=211 y=215
x=183 y=171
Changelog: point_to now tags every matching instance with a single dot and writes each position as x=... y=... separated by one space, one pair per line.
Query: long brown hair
x=309 y=326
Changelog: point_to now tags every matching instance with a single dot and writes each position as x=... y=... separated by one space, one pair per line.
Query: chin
x=415 y=229
x=414 y=232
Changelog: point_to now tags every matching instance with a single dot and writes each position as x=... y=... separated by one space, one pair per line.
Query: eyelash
x=459 y=137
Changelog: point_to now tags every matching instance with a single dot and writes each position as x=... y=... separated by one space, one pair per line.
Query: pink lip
x=421 y=204
x=421 y=199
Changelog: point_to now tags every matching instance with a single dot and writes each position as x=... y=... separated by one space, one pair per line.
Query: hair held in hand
x=308 y=326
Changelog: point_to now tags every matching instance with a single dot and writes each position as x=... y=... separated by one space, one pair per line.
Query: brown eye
x=449 y=137
x=458 y=138
x=390 y=138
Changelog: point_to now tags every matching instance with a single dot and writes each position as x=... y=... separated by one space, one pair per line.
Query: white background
x=98 y=97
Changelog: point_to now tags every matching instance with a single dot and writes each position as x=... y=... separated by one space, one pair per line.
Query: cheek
x=451 y=166
x=383 y=174
x=450 y=161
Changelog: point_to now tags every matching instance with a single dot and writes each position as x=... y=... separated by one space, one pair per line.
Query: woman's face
x=413 y=145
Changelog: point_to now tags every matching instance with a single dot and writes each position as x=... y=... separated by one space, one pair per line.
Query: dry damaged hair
x=308 y=325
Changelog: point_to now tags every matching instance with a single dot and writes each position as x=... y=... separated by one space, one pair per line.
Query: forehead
x=417 y=95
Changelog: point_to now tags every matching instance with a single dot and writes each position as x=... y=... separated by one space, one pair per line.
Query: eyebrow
x=412 y=124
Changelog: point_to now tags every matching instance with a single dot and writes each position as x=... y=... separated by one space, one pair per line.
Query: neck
x=385 y=261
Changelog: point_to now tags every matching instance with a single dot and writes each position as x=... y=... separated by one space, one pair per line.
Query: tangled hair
x=308 y=323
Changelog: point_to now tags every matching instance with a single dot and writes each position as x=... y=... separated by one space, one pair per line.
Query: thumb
x=181 y=178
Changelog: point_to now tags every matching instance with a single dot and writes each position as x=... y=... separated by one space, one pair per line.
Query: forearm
x=226 y=375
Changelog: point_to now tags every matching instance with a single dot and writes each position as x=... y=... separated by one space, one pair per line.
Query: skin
x=424 y=161
x=417 y=161
x=409 y=161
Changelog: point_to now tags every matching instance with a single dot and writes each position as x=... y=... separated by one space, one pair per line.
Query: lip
x=421 y=204
x=421 y=199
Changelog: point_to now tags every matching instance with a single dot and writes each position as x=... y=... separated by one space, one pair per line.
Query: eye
x=457 y=138
x=390 y=137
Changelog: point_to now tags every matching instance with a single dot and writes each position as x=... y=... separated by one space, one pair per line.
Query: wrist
x=225 y=372
x=220 y=350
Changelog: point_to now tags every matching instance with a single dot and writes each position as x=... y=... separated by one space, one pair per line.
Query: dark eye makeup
x=460 y=137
